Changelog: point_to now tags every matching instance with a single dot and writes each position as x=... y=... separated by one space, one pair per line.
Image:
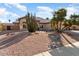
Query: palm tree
x=67 y=24
x=9 y=20
x=47 y=18
x=54 y=22
x=59 y=17
x=61 y=13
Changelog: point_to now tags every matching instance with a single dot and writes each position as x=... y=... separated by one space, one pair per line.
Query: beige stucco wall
x=45 y=26
x=1 y=27
x=16 y=26
x=12 y=26
x=22 y=23
x=5 y=27
x=75 y=27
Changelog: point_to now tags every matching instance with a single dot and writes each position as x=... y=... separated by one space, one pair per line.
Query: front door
x=8 y=27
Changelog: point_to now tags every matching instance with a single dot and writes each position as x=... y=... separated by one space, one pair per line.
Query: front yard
x=27 y=44
x=24 y=44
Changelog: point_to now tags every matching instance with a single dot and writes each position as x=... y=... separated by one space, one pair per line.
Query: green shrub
x=31 y=23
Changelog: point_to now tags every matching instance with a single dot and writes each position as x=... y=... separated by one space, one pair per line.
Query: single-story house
x=9 y=26
x=75 y=27
x=43 y=24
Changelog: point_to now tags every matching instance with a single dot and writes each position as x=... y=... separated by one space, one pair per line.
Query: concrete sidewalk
x=67 y=50
x=43 y=54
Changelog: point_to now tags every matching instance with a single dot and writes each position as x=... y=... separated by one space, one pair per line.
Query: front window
x=41 y=26
x=24 y=26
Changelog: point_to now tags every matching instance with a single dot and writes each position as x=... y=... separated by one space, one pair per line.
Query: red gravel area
x=24 y=44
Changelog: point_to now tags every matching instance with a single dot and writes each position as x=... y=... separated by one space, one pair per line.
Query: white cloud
x=44 y=11
x=2 y=11
x=71 y=10
x=44 y=14
x=12 y=16
x=5 y=15
x=3 y=20
x=44 y=8
x=6 y=4
x=19 y=6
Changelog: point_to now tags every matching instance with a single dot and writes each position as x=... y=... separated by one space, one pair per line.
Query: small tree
x=75 y=19
x=31 y=23
x=67 y=24
x=59 y=17
x=54 y=22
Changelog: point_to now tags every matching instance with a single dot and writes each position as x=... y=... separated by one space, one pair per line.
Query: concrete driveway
x=67 y=50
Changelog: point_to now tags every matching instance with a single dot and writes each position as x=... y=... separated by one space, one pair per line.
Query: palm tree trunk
x=60 y=29
x=57 y=25
x=60 y=25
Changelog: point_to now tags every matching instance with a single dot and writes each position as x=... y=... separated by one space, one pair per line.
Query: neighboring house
x=10 y=26
x=1 y=26
x=75 y=27
x=43 y=24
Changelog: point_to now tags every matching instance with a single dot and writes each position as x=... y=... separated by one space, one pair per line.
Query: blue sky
x=14 y=11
